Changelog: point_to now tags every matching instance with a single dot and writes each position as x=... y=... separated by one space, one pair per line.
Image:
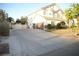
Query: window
x=50 y=14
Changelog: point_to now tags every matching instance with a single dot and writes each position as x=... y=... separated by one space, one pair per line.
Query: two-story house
x=46 y=15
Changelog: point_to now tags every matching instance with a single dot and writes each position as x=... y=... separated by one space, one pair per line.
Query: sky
x=16 y=10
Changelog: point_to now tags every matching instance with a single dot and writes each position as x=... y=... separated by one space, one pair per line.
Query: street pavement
x=35 y=42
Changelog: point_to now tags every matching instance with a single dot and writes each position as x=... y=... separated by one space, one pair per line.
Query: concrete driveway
x=33 y=42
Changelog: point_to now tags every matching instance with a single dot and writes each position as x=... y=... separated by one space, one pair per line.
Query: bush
x=4 y=28
x=4 y=25
x=53 y=25
x=18 y=21
x=50 y=26
x=23 y=22
x=61 y=25
x=73 y=26
x=33 y=26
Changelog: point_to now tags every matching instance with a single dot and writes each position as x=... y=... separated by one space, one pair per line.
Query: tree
x=69 y=14
x=4 y=25
x=72 y=11
x=11 y=22
x=75 y=8
x=23 y=20
x=18 y=21
x=61 y=25
x=10 y=19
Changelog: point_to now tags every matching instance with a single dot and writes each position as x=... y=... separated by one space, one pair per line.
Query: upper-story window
x=50 y=14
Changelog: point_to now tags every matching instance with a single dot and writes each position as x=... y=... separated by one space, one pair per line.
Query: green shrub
x=50 y=26
x=4 y=25
x=33 y=26
x=73 y=26
x=23 y=22
x=18 y=21
x=53 y=26
x=4 y=28
x=61 y=25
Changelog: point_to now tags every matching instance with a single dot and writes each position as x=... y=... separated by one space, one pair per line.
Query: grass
x=68 y=33
x=63 y=31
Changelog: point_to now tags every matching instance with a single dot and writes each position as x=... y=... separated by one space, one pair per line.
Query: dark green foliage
x=73 y=26
x=72 y=11
x=33 y=26
x=4 y=24
x=10 y=19
x=23 y=22
x=61 y=25
x=53 y=25
x=4 y=28
x=18 y=21
x=50 y=26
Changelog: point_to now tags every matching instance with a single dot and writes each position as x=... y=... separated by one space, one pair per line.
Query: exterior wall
x=56 y=22
x=48 y=12
x=52 y=11
x=35 y=19
x=49 y=22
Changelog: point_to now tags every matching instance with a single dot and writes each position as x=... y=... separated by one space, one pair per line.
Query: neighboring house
x=46 y=15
